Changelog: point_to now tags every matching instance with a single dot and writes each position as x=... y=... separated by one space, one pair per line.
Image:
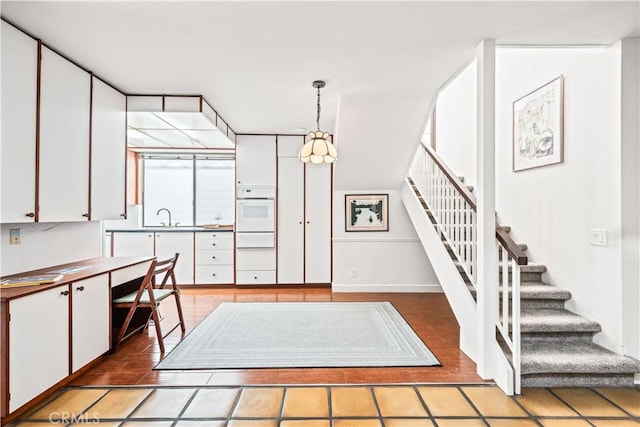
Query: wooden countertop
x=92 y=267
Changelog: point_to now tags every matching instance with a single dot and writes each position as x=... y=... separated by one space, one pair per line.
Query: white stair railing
x=452 y=210
x=451 y=206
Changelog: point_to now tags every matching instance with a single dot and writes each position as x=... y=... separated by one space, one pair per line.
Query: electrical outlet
x=353 y=273
x=598 y=237
x=14 y=236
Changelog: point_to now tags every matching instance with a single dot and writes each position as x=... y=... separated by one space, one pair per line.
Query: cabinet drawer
x=256 y=259
x=214 y=274
x=256 y=277
x=214 y=257
x=124 y=275
x=210 y=242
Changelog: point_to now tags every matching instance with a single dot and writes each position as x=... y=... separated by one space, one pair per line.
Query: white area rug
x=300 y=335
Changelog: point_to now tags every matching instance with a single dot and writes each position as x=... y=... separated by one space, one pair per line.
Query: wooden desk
x=50 y=333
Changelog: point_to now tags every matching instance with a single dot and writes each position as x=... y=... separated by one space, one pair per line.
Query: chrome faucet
x=168 y=211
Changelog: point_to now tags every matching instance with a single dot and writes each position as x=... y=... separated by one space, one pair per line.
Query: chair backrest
x=165 y=267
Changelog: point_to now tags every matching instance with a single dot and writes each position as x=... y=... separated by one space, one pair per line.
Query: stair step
x=574 y=358
x=529 y=268
x=523 y=247
x=555 y=320
x=538 y=291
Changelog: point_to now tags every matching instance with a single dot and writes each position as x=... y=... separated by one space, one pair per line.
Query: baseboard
x=383 y=287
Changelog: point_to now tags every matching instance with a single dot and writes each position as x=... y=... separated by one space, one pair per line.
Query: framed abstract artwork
x=366 y=212
x=538 y=127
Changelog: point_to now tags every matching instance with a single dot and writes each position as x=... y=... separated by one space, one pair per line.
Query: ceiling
x=254 y=62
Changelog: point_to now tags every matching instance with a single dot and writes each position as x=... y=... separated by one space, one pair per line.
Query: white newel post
x=487 y=278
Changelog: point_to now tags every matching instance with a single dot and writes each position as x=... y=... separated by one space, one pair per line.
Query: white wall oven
x=255 y=217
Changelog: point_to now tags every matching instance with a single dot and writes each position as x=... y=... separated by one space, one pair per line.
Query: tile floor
x=413 y=405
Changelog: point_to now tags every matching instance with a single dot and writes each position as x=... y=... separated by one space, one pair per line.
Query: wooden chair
x=149 y=296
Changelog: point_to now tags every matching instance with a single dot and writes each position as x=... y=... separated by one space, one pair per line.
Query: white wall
x=456 y=123
x=630 y=174
x=392 y=261
x=46 y=244
x=553 y=208
x=376 y=136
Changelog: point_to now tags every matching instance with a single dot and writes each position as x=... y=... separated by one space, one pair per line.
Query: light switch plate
x=14 y=236
x=598 y=237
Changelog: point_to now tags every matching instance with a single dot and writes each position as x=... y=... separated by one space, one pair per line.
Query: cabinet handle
x=86 y=215
x=307 y=222
x=213 y=257
x=123 y=215
x=213 y=274
x=213 y=244
x=80 y=288
x=300 y=222
x=255 y=277
x=213 y=235
x=30 y=215
x=65 y=293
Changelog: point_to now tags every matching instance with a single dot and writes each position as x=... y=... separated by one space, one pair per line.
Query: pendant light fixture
x=318 y=149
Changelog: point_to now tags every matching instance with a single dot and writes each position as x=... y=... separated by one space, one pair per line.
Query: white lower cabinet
x=39 y=339
x=133 y=244
x=171 y=242
x=214 y=258
x=256 y=266
x=163 y=245
x=89 y=320
x=38 y=343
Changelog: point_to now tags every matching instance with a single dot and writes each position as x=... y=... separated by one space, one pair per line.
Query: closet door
x=18 y=144
x=290 y=220
x=65 y=92
x=318 y=223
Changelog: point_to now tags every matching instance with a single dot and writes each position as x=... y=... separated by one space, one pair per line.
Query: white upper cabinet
x=65 y=92
x=256 y=160
x=108 y=152
x=18 y=145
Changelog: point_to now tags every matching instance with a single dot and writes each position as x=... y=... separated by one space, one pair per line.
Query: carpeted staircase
x=557 y=344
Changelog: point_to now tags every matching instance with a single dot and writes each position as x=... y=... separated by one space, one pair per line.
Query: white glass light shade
x=318 y=149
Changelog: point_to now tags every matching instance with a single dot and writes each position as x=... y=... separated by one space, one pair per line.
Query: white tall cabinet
x=19 y=98
x=108 y=152
x=304 y=217
x=65 y=102
x=256 y=164
x=317 y=249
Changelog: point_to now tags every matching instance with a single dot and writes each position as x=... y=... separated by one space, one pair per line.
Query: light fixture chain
x=318 y=114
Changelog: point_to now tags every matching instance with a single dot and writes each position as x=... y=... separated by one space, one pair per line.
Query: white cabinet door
x=256 y=160
x=18 y=144
x=290 y=220
x=170 y=242
x=89 y=320
x=318 y=223
x=108 y=152
x=38 y=343
x=133 y=244
x=65 y=92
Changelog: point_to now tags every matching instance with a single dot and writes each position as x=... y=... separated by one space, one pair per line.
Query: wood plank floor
x=428 y=314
